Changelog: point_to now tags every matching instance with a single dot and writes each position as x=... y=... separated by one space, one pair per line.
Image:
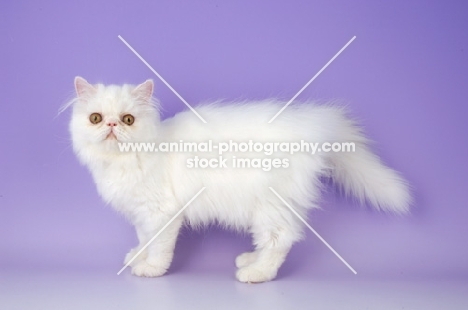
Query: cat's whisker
x=69 y=146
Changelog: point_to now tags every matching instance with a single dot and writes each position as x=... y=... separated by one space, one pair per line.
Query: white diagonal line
x=313 y=230
x=162 y=79
x=312 y=79
x=162 y=229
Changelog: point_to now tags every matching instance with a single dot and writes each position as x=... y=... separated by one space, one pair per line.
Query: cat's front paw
x=145 y=269
x=133 y=252
x=245 y=259
x=254 y=274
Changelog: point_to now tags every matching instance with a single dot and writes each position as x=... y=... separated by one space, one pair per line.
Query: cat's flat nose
x=112 y=124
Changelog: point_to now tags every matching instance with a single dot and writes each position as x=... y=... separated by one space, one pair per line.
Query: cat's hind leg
x=274 y=232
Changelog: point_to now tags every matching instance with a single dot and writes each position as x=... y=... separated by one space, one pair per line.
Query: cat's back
x=249 y=120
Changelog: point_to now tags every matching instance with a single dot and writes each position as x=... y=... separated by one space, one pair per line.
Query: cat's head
x=104 y=115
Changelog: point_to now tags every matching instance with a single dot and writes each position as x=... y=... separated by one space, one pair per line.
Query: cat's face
x=103 y=116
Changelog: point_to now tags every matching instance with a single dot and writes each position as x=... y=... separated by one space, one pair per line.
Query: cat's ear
x=144 y=91
x=83 y=88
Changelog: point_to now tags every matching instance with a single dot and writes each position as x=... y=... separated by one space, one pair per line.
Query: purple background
x=405 y=77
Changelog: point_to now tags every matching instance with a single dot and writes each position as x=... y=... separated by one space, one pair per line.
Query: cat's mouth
x=111 y=136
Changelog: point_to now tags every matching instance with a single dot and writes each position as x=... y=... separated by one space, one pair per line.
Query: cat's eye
x=95 y=118
x=128 y=119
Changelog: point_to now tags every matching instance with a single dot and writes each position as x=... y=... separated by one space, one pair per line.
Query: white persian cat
x=149 y=188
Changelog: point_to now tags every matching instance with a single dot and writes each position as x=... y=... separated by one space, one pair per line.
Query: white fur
x=149 y=188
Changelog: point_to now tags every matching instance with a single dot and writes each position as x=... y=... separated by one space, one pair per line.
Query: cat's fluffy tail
x=363 y=175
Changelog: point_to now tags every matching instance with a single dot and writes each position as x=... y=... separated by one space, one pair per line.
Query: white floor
x=94 y=290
